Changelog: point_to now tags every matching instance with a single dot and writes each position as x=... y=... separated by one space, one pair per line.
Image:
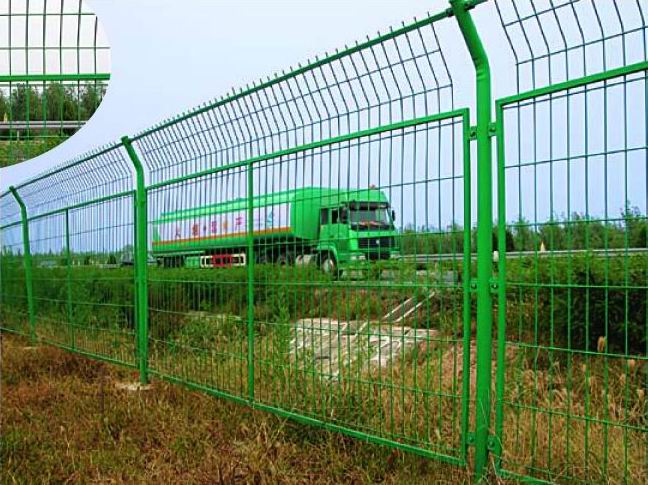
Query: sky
x=169 y=56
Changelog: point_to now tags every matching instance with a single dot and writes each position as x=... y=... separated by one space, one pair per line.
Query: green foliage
x=53 y=103
x=102 y=298
x=57 y=102
x=425 y=241
x=573 y=302
x=580 y=232
x=203 y=331
x=628 y=229
x=566 y=301
x=16 y=151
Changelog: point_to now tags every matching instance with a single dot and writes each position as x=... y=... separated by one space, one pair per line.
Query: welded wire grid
x=81 y=223
x=54 y=65
x=241 y=187
x=572 y=395
x=344 y=348
x=398 y=76
x=271 y=214
x=13 y=294
x=197 y=324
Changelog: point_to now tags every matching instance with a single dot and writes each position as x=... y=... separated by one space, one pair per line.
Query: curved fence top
x=51 y=37
x=9 y=211
x=104 y=172
x=54 y=70
x=562 y=40
x=394 y=77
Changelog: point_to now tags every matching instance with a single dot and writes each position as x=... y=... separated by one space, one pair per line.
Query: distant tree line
x=54 y=102
x=630 y=229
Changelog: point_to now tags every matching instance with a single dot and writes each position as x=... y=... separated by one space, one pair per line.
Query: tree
x=60 y=103
x=26 y=104
x=4 y=106
x=636 y=227
x=90 y=99
x=524 y=236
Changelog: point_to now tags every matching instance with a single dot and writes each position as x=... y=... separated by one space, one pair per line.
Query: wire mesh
x=397 y=76
x=13 y=295
x=54 y=65
x=571 y=392
x=378 y=346
x=256 y=297
x=299 y=336
x=81 y=223
x=310 y=247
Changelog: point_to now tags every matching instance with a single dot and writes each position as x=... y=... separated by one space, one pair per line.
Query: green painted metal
x=342 y=54
x=307 y=329
x=250 y=253
x=54 y=73
x=45 y=78
x=68 y=265
x=572 y=146
x=400 y=125
x=27 y=262
x=484 y=234
x=77 y=237
x=141 y=259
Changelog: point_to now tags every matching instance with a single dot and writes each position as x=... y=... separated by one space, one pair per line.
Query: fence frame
x=27 y=262
x=496 y=446
x=486 y=436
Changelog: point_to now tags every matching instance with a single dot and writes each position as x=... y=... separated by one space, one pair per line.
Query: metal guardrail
x=423 y=258
x=40 y=125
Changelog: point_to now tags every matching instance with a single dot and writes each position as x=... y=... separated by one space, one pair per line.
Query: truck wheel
x=329 y=265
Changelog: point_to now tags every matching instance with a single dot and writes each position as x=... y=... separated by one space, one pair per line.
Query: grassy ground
x=15 y=151
x=64 y=421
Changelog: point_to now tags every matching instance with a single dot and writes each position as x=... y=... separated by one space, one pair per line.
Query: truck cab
x=356 y=231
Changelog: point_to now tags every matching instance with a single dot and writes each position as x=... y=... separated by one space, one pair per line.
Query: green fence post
x=250 y=280
x=68 y=264
x=27 y=261
x=484 y=350
x=141 y=260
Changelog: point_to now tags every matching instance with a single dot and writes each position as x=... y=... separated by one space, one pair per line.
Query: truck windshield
x=369 y=216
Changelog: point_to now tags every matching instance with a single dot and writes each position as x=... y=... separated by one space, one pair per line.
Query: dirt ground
x=65 y=421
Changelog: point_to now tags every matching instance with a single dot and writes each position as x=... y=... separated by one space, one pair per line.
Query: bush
x=576 y=300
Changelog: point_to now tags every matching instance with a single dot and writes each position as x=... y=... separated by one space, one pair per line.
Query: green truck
x=335 y=229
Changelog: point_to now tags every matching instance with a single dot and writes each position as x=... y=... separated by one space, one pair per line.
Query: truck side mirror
x=393 y=215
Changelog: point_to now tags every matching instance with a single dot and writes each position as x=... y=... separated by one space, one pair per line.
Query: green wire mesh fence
x=13 y=290
x=54 y=71
x=573 y=191
x=80 y=221
x=307 y=246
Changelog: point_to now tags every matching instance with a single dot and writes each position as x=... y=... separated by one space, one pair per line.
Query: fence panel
x=14 y=312
x=311 y=246
x=81 y=224
x=397 y=76
x=368 y=331
x=197 y=317
x=54 y=72
x=572 y=310
x=260 y=299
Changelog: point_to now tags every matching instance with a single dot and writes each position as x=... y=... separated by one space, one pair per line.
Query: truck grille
x=376 y=243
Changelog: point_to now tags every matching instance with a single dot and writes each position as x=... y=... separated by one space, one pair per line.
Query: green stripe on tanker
x=301 y=221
